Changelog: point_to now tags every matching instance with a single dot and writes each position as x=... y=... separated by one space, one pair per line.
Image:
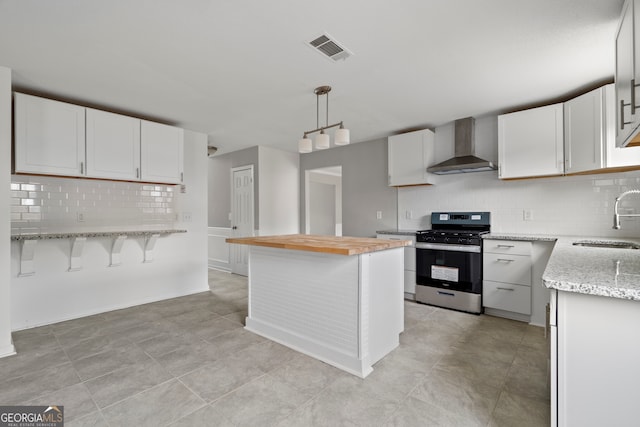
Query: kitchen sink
x=607 y=244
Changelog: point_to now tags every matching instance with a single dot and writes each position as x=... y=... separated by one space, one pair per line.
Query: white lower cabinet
x=507 y=278
x=507 y=296
x=409 y=262
x=595 y=349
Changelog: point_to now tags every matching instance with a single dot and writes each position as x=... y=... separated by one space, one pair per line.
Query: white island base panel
x=347 y=311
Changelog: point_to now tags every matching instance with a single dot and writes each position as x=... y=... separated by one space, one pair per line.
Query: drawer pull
x=504 y=260
x=506 y=246
x=505 y=289
x=449 y=294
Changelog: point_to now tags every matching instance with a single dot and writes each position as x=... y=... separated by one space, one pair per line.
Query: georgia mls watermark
x=31 y=416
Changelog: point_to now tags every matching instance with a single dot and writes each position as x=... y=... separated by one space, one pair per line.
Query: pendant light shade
x=305 y=145
x=322 y=141
x=342 y=136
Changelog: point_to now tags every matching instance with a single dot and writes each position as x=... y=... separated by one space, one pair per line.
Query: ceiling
x=241 y=71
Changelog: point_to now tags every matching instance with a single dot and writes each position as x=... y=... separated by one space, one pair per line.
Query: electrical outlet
x=379 y=214
x=186 y=217
x=409 y=214
x=80 y=216
x=527 y=215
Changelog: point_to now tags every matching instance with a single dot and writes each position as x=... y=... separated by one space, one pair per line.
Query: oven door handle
x=450 y=248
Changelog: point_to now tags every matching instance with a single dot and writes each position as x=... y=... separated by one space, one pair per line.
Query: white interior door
x=241 y=216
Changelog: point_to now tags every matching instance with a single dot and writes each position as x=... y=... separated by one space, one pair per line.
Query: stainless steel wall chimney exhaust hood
x=465 y=160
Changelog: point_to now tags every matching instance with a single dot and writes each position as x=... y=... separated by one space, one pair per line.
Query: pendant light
x=322 y=140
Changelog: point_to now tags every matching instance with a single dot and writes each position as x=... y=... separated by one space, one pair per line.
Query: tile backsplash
x=51 y=204
x=570 y=205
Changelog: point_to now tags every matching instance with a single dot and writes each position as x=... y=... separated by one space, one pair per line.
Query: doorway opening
x=323 y=201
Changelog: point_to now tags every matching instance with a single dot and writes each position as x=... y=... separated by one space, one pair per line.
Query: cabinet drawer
x=506 y=247
x=508 y=297
x=507 y=268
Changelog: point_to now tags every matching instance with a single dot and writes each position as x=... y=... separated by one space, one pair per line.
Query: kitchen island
x=338 y=299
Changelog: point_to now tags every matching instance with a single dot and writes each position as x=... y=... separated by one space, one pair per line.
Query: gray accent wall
x=364 y=186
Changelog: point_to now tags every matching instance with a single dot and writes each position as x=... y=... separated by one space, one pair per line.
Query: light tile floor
x=188 y=362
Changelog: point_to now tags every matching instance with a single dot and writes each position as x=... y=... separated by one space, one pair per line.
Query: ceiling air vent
x=329 y=47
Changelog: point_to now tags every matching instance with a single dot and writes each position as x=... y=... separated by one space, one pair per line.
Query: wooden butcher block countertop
x=326 y=244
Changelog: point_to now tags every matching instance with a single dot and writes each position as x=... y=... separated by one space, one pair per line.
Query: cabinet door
x=409 y=155
x=624 y=74
x=113 y=146
x=584 y=132
x=616 y=157
x=49 y=136
x=530 y=143
x=162 y=153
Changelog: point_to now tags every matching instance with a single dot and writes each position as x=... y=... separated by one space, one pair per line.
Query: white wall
x=279 y=197
x=6 y=346
x=575 y=205
x=179 y=267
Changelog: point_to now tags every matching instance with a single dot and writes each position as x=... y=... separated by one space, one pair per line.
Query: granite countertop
x=339 y=245
x=608 y=272
x=398 y=231
x=68 y=235
x=520 y=237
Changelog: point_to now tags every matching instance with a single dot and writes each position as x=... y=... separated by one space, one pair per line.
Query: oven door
x=455 y=267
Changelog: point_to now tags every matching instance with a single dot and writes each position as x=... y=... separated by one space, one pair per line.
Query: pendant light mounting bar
x=323 y=128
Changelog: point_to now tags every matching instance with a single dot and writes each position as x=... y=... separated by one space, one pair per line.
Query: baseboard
x=8 y=350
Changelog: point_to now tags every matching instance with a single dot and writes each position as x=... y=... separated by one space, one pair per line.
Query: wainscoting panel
x=219 y=249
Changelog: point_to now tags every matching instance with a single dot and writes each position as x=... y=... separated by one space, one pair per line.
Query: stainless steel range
x=449 y=260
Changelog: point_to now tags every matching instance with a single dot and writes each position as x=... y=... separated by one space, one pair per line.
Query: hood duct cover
x=465 y=159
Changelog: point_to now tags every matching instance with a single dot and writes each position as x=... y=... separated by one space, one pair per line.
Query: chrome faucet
x=616 y=215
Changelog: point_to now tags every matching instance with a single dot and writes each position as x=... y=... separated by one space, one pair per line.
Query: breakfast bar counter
x=338 y=299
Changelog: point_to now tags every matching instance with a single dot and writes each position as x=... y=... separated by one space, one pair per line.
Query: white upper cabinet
x=590 y=141
x=409 y=155
x=530 y=143
x=585 y=132
x=627 y=75
x=113 y=146
x=162 y=153
x=49 y=136
x=56 y=138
